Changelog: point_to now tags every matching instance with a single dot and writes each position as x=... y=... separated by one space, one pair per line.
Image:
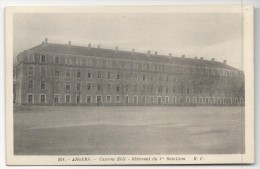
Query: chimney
x=213 y=59
x=201 y=58
x=98 y=46
x=148 y=53
x=225 y=61
x=116 y=49
x=133 y=51
x=155 y=52
x=195 y=57
x=183 y=56
x=46 y=40
x=69 y=44
x=89 y=46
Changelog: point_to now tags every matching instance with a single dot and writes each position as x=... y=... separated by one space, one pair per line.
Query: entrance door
x=99 y=100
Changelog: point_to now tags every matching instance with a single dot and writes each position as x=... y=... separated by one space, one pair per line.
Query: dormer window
x=30 y=57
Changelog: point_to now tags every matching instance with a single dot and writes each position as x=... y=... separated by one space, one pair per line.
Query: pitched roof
x=127 y=55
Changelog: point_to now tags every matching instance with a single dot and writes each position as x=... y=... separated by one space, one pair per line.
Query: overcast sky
x=208 y=35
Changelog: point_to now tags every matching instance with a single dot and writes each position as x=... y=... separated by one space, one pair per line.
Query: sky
x=208 y=35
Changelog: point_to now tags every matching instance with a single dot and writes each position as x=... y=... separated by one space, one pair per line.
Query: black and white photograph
x=131 y=85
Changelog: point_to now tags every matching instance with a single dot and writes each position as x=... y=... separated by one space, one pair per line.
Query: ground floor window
x=118 y=99
x=207 y=100
x=67 y=98
x=78 y=98
x=219 y=100
x=174 y=100
x=159 y=100
x=56 y=98
x=152 y=99
x=143 y=99
x=108 y=99
x=167 y=100
x=99 y=100
x=89 y=99
x=135 y=100
x=230 y=100
x=213 y=100
x=224 y=100
x=126 y=99
x=30 y=98
x=201 y=100
x=236 y=100
x=194 y=100
x=42 y=98
x=188 y=100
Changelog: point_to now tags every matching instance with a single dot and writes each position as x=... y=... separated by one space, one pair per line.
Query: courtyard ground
x=90 y=130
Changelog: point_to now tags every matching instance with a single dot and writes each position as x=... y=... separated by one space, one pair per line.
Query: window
x=173 y=90
x=173 y=99
x=126 y=99
x=42 y=98
x=57 y=59
x=152 y=88
x=135 y=100
x=67 y=85
x=43 y=71
x=30 y=84
x=78 y=73
x=43 y=85
x=143 y=77
x=201 y=100
x=108 y=99
x=219 y=100
x=78 y=86
x=201 y=90
x=57 y=72
x=118 y=75
x=108 y=87
x=43 y=58
x=135 y=88
x=78 y=61
x=126 y=87
x=89 y=86
x=67 y=98
x=144 y=88
x=30 y=98
x=68 y=60
x=89 y=62
x=188 y=90
x=194 y=100
x=160 y=89
x=89 y=74
x=108 y=75
x=207 y=100
x=117 y=88
x=56 y=98
x=166 y=89
x=30 y=70
x=89 y=98
x=99 y=87
x=143 y=100
x=152 y=99
x=77 y=98
x=99 y=63
x=118 y=99
x=30 y=57
x=99 y=74
x=68 y=73
x=213 y=100
x=167 y=100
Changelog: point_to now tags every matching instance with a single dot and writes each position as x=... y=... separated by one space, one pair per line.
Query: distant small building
x=58 y=74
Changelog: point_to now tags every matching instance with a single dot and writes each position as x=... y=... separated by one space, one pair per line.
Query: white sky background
x=208 y=35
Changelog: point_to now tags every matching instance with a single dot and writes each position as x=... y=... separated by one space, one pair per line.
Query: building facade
x=57 y=74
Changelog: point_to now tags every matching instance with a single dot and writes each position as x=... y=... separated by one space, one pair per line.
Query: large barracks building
x=58 y=74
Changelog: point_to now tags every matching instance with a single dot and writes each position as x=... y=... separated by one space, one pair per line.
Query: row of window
x=135 y=65
x=118 y=75
x=127 y=87
x=140 y=99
